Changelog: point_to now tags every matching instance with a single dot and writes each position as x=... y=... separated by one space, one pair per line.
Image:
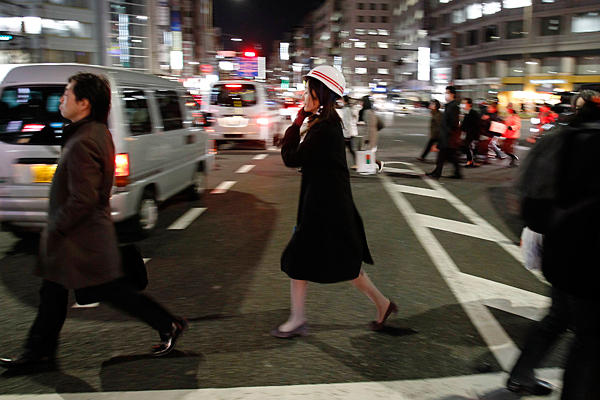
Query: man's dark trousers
x=446 y=154
x=52 y=312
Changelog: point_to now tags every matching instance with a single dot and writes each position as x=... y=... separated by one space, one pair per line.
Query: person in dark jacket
x=471 y=126
x=569 y=221
x=329 y=242
x=434 y=128
x=78 y=249
x=449 y=141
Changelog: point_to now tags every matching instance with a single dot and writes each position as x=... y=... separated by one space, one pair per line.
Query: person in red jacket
x=512 y=133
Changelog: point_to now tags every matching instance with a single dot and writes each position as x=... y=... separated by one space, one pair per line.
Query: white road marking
x=260 y=157
x=418 y=190
x=186 y=219
x=523 y=148
x=491 y=331
x=91 y=305
x=245 y=168
x=477 y=386
x=461 y=228
x=405 y=171
x=273 y=148
x=223 y=187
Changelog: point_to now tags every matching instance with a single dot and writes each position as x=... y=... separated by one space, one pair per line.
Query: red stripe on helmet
x=328 y=79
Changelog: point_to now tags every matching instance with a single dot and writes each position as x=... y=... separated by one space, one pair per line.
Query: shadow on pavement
x=418 y=347
x=177 y=370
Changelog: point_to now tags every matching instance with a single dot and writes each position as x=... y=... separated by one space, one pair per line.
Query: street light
x=236 y=39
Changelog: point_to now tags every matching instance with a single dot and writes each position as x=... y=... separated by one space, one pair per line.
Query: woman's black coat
x=329 y=242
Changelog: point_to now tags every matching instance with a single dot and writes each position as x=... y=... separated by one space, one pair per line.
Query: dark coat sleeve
x=314 y=149
x=84 y=181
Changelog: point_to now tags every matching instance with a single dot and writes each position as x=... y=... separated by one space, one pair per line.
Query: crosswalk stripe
x=419 y=190
x=260 y=157
x=498 y=341
x=186 y=219
x=406 y=171
x=476 y=386
x=245 y=168
x=461 y=228
x=223 y=187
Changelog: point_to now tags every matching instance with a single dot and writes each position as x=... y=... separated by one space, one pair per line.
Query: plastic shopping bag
x=531 y=248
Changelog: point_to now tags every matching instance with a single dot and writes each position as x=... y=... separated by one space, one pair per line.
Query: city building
x=354 y=36
x=170 y=37
x=410 y=33
x=520 y=51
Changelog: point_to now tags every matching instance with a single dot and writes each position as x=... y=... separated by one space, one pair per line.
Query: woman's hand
x=302 y=114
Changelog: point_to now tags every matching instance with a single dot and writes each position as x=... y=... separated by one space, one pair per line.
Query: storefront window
x=491 y=33
x=589 y=65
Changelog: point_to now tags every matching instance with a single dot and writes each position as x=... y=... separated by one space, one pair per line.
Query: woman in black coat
x=329 y=243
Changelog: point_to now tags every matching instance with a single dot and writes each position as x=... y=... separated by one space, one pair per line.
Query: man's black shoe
x=433 y=175
x=168 y=340
x=537 y=388
x=29 y=362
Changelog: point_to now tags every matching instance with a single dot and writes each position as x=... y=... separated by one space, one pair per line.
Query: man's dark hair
x=468 y=100
x=96 y=89
x=451 y=89
x=326 y=98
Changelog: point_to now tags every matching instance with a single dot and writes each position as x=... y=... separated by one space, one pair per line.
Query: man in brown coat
x=78 y=249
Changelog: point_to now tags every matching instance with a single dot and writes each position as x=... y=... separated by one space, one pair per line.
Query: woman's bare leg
x=364 y=284
x=298 y=298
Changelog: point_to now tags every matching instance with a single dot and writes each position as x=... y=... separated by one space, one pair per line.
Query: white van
x=241 y=110
x=158 y=150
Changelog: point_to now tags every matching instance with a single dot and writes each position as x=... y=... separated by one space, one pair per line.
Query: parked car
x=240 y=110
x=159 y=151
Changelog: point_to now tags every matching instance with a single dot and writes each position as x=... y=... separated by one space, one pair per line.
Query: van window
x=136 y=108
x=30 y=115
x=233 y=95
x=170 y=112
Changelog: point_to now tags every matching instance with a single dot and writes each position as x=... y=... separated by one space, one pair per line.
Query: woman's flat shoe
x=376 y=325
x=302 y=330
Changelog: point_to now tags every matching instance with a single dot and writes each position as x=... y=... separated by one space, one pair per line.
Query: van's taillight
x=32 y=127
x=122 y=169
x=263 y=121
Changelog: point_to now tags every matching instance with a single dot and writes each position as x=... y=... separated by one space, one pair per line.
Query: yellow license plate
x=43 y=173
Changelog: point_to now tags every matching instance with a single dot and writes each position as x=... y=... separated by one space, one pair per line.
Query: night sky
x=259 y=21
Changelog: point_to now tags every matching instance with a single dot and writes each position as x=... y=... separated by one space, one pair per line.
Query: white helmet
x=331 y=77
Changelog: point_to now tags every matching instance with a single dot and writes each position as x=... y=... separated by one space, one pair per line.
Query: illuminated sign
x=424 y=65
x=546 y=81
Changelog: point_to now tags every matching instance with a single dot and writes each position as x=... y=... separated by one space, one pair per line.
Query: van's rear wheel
x=147 y=215
x=198 y=187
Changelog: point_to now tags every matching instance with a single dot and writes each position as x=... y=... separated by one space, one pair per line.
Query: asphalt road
x=446 y=252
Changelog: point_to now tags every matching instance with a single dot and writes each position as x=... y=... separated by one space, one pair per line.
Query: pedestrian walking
x=329 y=242
x=492 y=127
x=434 y=128
x=349 y=128
x=78 y=249
x=512 y=133
x=561 y=200
x=471 y=126
x=368 y=116
x=449 y=141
